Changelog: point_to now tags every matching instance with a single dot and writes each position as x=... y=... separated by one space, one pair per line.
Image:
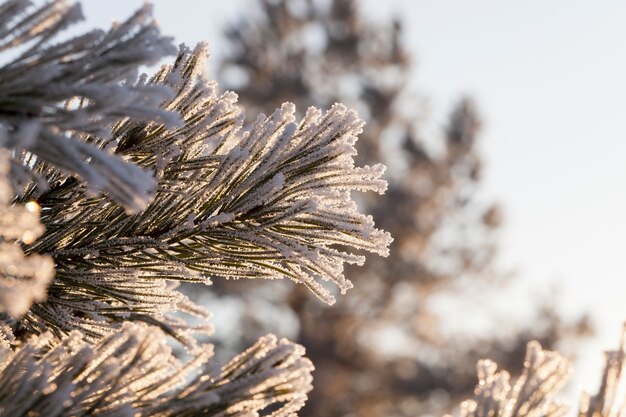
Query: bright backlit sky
x=550 y=80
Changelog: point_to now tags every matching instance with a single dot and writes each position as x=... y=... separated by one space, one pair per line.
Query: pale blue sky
x=549 y=79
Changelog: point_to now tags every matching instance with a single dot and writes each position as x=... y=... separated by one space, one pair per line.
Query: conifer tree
x=115 y=188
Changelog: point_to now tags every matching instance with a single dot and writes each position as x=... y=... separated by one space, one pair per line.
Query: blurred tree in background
x=115 y=188
x=382 y=350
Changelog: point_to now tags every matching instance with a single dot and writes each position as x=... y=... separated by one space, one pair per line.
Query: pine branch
x=58 y=100
x=605 y=403
x=533 y=393
x=133 y=373
x=270 y=201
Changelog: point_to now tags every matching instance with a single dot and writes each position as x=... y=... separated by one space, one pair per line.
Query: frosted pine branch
x=532 y=395
x=606 y=403
x=133 y=373
x=271 y=200
x=268 y=201
x=59 y=100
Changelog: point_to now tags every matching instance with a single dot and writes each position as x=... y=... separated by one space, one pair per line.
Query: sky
x=549 y=80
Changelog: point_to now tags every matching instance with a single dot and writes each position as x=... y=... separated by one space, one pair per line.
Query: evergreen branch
x=133 y=373
x=58 y=101
x=532 y=395
x=270 y=201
